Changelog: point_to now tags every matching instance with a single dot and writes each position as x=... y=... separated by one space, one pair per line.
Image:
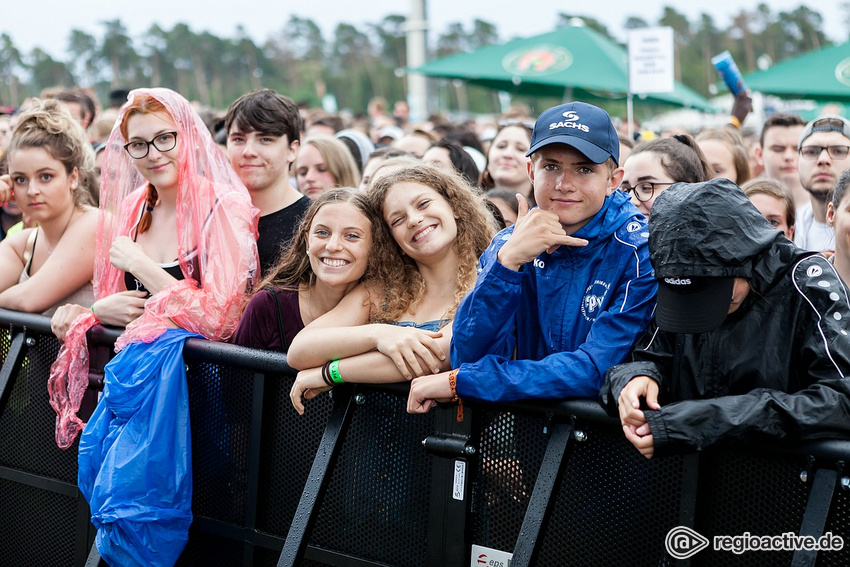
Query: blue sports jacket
x=567 y=316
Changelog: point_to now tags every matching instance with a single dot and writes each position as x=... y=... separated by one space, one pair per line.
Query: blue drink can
x=729 y=72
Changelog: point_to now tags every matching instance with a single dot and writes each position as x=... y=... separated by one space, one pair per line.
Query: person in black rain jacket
x=750 y=339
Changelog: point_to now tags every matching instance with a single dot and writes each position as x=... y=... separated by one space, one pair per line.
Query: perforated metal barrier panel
x=382 y=501
x=38 y=525
x=376 y=506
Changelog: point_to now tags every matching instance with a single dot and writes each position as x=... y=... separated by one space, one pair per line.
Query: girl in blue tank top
x=426 y=251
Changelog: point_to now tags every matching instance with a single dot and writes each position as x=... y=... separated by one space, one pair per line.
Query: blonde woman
x=52 y=263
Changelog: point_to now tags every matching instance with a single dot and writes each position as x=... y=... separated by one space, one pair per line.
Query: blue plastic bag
x=135 y=458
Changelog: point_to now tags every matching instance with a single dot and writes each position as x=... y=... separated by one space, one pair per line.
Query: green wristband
x=334 y=370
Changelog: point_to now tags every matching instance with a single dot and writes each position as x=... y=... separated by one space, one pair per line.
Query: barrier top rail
x=269 y=362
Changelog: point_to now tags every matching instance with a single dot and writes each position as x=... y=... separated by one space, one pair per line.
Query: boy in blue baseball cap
x=564 y=293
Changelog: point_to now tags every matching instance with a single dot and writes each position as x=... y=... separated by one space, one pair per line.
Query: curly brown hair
x=396 y=277
x=294 y=268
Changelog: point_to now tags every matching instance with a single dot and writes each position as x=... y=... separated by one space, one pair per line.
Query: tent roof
x=570 y=62
x=822 y=75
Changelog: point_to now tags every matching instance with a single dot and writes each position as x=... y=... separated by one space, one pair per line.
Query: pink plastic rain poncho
x=216 y=230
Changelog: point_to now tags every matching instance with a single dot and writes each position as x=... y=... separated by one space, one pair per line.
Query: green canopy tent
x=573 y=62
x=822 y=75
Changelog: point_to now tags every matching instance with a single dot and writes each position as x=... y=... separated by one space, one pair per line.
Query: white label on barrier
x=460 y=480
x=488 y=557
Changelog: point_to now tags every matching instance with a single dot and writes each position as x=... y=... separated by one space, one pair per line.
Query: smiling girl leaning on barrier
x=435 y=227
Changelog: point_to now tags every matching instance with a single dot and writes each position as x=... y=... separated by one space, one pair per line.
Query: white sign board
x=489 y=557
x=651 y=60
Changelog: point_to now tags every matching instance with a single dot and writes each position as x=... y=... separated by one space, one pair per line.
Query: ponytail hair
x=680 y=156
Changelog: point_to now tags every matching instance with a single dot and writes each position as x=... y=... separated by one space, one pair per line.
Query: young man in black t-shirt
x=263 y=137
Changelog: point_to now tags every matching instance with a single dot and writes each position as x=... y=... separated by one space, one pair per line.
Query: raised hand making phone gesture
x=535 y=231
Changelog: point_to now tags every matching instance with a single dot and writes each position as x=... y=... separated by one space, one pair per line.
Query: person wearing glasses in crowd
x=823 y=148
x=563 y=294
x=749 y=340
x=176 y=253
x=655 y=165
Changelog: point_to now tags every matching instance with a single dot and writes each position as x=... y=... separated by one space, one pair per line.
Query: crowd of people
x=695 y=286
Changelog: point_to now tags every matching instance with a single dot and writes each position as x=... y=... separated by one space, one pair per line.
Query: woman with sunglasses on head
x=655 y=165
x=177 y=227
x=49 y=160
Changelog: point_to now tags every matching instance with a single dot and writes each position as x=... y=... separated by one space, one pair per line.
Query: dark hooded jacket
x=778 y=366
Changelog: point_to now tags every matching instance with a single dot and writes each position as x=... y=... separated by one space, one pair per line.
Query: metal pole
x=417 y=53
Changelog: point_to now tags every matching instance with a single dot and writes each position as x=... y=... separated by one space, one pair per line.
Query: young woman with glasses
x=178 y=224
x=655 y=165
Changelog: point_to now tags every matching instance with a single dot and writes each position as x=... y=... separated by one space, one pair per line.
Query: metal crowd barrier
x=359 y=482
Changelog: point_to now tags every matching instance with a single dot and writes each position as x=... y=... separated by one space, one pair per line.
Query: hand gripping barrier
x=357 y=481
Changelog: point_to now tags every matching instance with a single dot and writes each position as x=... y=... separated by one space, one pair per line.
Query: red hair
x=143 y=104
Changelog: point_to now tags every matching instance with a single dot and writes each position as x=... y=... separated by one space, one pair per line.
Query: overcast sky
x=47 y=23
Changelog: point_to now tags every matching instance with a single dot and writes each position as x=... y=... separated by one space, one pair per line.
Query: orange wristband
x=453 y=384
x=455 y=398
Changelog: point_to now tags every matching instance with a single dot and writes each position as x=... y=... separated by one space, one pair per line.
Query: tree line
x=355 y=64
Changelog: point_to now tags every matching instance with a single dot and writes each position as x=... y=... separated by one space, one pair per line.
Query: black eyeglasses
x=644 y=190
x=835 y=152
x=163 y=143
